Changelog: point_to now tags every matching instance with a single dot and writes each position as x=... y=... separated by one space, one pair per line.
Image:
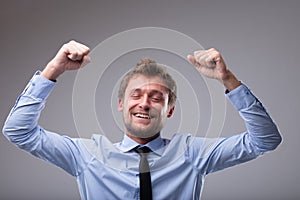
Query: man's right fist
x=71 y=56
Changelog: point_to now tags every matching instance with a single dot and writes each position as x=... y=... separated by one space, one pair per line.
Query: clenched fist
x=211 y=64
x=71 y=56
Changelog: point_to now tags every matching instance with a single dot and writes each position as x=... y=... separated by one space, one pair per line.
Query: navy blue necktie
x=145 y=178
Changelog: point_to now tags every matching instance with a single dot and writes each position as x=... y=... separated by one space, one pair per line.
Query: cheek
x=162 y=110
x=128 y=105
x=165 y=108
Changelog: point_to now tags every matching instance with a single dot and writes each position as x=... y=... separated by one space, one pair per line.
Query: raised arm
x=21 y=126
x=262 y=134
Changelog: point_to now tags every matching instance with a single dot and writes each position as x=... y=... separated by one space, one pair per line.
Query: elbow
x=273 y=142
x=277 y=141
x=268 y=141
x=16 y=134
x=10 y=132
x=24 y=138
x=6 y=130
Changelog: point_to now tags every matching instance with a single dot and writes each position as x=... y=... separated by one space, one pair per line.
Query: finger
x=191 y=59
x=197 y=55
x=86 y=60
x=201 y=53
x=207 y=58
x=75 y=56
x=76 y=51
x=216 y=56
x=81 y=48
x=209 y=61
x=201 y=56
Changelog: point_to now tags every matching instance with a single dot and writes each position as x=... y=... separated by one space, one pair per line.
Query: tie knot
x=142 y=150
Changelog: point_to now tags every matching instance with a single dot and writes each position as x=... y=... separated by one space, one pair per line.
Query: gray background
x=258 y=39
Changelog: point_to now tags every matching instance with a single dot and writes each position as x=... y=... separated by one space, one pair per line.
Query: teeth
x=142 y=115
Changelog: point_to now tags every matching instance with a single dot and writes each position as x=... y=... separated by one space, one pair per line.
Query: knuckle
x=218 y=54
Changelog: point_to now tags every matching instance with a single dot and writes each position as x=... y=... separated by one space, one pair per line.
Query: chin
x=143 y=132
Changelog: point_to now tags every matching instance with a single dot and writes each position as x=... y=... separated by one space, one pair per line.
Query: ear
x=120 y=105
x=171 y=111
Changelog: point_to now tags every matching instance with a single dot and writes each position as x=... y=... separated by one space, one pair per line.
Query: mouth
x=142 y=115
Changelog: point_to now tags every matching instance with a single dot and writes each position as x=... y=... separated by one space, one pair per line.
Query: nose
x=144 y=103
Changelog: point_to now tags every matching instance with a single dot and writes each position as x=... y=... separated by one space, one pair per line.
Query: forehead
x=146 y=83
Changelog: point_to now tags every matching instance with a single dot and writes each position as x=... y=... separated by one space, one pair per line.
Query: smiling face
x=145 y=106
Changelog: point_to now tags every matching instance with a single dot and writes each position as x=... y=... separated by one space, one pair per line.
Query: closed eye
x=157 y=96
x=135 y=94
x=156 y=99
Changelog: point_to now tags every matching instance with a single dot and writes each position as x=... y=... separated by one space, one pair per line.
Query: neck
x=142 y=140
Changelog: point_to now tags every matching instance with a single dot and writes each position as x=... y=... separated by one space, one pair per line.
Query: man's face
x=145 y=106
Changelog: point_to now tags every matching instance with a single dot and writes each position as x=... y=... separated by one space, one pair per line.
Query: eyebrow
x=152 y=92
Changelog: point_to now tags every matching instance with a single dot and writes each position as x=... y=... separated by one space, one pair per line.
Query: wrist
x=51 y=72
x=230 y=82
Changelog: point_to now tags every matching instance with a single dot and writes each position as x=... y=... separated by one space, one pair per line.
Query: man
x=147 y=98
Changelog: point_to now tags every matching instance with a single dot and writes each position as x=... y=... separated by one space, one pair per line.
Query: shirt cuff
x=39 y=87
x=241 y=97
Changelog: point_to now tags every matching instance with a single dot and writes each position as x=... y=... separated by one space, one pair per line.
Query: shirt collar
x=157 y=145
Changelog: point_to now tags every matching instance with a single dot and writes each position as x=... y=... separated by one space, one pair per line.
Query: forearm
x=230 y=82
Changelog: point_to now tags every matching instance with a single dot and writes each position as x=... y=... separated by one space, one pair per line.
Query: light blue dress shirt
x=110 y=171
